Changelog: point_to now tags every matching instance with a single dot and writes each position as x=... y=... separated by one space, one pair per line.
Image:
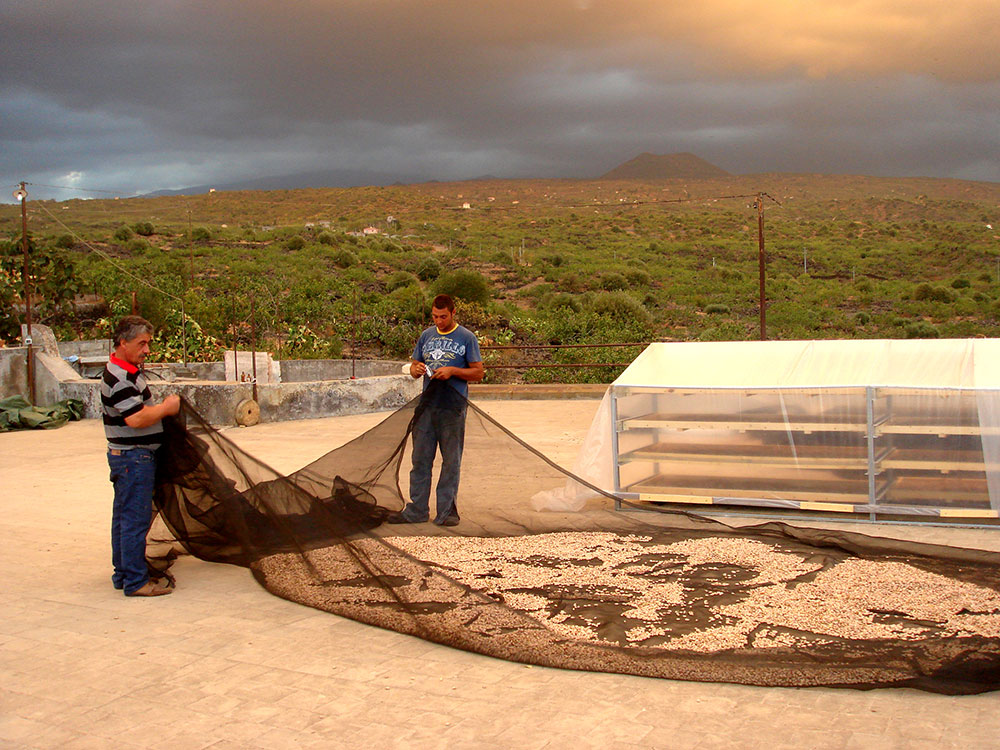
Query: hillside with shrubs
x=350 y=272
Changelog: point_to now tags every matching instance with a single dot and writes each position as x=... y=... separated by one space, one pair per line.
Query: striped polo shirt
x=123 y=393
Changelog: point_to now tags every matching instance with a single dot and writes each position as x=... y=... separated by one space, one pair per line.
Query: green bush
x=925 y=291
x=717 y=308
x=295 y=242
x=619 y=306
x=638 y=277
x=559 y=301
x=921 y=329
x=137 y=246
x=326 y=238
x=965 y=306
x=464 y=284
x=400 y=279
x=344 y=258
x=428 y=269
x=474 y=315
x=123 y=233
x=200 y=234
x=862 y=318
x=411 y=303
x=56 y=282
x=961 y=283
x=864 y=285
x=613 y=281
x=143 y=228
x=65 y=241
x=537 y=291
x=570 y=282
x=358 y=276
x=181 y=336
x=302 y=342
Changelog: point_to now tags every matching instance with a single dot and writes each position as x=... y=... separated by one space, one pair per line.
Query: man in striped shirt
x=132 y=424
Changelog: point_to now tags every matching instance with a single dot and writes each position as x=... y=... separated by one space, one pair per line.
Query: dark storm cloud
x=164 y=94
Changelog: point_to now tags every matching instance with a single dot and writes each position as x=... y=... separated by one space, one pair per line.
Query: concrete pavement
x=222 y=664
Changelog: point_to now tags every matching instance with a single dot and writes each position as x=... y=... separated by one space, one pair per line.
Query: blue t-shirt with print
x=455 y=349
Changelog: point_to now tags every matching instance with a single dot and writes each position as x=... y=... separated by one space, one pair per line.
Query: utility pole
x=759 y=204
x=253 y=340
x=21 y=194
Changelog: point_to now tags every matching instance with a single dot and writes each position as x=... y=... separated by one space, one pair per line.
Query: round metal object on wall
x=247 y=413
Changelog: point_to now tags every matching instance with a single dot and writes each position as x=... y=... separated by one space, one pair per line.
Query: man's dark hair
x=443 y=302
x=129 y=327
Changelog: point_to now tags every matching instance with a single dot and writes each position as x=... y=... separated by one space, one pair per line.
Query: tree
x=52 y=278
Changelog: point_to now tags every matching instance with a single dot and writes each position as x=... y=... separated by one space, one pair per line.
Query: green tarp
x=17 y=413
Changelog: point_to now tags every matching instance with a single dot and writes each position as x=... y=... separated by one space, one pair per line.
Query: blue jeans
x=436 y=427
x=133 y=475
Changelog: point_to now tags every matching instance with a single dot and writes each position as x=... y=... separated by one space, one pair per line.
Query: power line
x=73 y=187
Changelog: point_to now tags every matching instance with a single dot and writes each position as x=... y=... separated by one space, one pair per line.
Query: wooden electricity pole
x=22 y=195
x=759 y=204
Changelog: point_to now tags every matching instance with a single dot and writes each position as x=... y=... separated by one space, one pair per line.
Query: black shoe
x=451 y=520
x=398 y=517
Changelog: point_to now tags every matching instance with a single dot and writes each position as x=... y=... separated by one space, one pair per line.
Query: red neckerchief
x=127 y=367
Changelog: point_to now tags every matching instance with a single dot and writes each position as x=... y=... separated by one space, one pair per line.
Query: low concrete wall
x=86 y=348
x=217 y=401
x=14 y=371
x=318 y=388
x=292 y=371
x=171 y=371
x=87 y=391
x=335 y=398
x=51 y=373
x=547 y=391
x=305 y=370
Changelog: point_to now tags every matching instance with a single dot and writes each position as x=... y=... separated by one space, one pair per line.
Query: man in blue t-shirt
x=445 y=352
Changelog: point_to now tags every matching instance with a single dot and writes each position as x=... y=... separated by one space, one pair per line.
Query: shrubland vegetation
x=532 y=262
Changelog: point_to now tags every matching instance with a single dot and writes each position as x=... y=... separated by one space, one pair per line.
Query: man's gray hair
x=129 y=327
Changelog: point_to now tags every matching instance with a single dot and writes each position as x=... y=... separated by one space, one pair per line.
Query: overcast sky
x=132 y=96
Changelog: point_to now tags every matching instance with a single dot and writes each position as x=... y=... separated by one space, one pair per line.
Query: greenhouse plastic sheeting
x=891 y=430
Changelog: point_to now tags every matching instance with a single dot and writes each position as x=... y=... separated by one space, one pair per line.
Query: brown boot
x=151 y=589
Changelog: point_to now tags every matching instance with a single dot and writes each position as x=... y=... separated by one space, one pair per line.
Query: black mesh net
x=660 y=594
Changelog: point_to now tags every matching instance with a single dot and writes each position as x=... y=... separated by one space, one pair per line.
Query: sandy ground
x=223 y=664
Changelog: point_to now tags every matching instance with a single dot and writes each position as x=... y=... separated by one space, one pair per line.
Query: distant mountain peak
x=648 y=166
